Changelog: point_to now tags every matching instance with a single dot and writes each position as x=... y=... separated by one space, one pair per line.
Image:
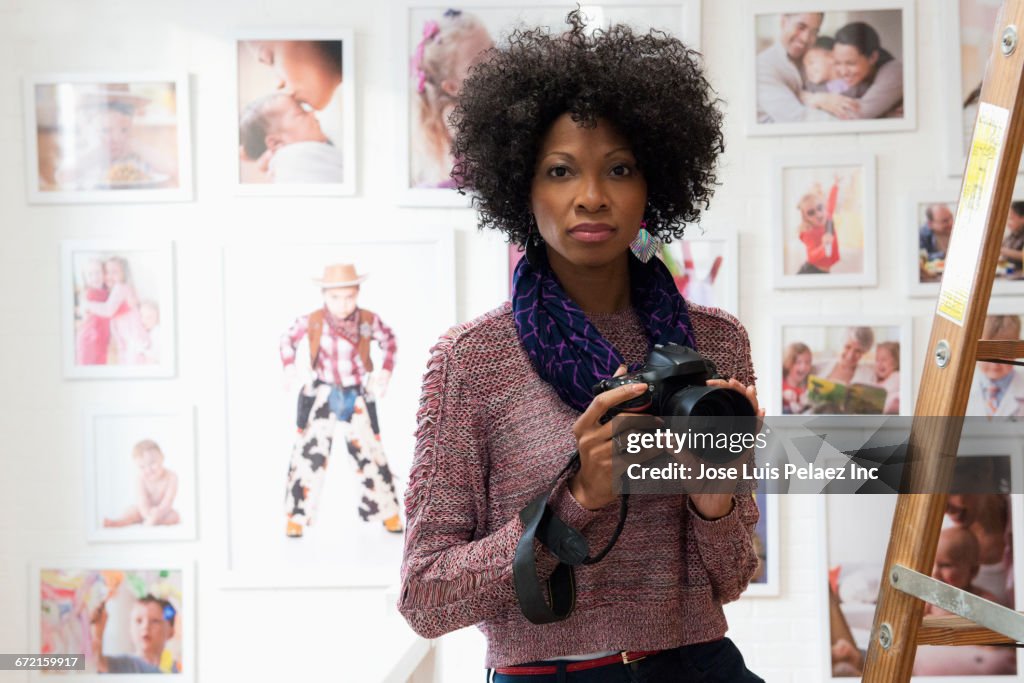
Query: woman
x=570 y=142
x=873 y=77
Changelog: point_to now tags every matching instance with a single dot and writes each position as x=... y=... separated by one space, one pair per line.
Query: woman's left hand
x=714 y=505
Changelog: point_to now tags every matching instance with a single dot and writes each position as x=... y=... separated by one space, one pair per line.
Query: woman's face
x=852 y=66
x=588 y=196
x=301 y=69
x=851 y=353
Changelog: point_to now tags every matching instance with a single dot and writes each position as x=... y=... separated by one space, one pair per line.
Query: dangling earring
x=644 y=245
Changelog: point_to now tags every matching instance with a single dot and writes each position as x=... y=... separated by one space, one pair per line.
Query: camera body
x=676 y=377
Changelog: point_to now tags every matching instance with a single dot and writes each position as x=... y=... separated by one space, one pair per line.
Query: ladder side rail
x=944 y=390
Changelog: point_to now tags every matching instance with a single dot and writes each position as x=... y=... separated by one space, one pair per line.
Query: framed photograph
x=975 y=552
x=968 y=27
x=440 y=43
x=323 y=390
x=766 y=542
x=932 y=217
x=824 y=220
x=997 y=389
x=704 y=267
x=142 y=613
x=117 y=307
x=140 y=474
x=838 y=67
x=108 y=138
x=842 y=365
x=296 y=112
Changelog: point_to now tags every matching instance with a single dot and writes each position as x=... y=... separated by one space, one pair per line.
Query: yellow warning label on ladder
x=972 y=212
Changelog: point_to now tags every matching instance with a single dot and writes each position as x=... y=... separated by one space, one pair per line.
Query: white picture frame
x=824 y=335
x=320 y=162
x=858 y=238
x=409 y=16
x=859 y=509
x=418 y=305
x=185 y=610
x=148 y=301
x=769 y=535
x=1002 y=286
x=151 y=162
x=112 y=435
x=960 y=125
x=906 y=53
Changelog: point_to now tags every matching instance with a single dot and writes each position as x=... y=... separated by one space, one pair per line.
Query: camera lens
x=703 y=401
x=714 y=411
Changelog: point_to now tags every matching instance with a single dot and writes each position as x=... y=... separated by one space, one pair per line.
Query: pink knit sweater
x=491 y=435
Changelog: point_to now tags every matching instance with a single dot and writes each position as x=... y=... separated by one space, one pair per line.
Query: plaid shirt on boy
x=338 y=362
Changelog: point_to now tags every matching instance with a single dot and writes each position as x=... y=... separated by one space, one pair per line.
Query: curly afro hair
x=649 y=86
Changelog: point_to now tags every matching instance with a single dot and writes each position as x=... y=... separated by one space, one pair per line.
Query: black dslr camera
x=676 y=379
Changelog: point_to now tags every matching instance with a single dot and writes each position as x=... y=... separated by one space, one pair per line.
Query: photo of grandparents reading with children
x=837 y=67
x=843 y=370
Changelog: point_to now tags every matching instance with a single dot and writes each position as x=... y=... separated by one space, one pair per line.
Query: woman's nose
x=591 y=196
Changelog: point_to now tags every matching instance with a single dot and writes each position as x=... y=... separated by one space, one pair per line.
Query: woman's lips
x=592 y=232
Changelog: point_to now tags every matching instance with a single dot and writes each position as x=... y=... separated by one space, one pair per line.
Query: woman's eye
x=558 y=171
x=621 y=170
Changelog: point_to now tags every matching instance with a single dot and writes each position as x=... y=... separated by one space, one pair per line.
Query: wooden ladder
x=953 y=349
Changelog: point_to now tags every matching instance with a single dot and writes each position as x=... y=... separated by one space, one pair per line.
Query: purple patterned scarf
x=564 y=346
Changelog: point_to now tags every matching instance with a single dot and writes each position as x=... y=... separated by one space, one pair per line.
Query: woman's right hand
x=591 y=486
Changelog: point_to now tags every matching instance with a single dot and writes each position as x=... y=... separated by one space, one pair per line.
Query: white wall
x=257 y=635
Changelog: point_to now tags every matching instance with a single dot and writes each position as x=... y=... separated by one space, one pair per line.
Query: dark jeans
x=716 y=662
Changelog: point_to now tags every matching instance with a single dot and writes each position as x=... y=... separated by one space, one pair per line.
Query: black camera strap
x=566 y=543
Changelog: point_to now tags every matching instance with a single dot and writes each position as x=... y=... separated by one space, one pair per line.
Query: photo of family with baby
x=833 y=71
x=975 y=553
x=295 y=115
x=119 y=307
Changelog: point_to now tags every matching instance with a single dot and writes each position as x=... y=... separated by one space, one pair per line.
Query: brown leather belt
x=547 y=669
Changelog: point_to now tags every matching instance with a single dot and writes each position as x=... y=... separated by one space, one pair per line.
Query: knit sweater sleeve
x=452 y=575
x=725 y=545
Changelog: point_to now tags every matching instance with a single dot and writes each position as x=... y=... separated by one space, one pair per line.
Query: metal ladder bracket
x=967 y=605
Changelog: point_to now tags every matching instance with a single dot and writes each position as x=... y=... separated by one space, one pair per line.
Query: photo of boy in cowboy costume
x=339 y=400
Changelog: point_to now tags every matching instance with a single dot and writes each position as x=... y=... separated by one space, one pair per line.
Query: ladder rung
x=954 y=630
x=1000 y=350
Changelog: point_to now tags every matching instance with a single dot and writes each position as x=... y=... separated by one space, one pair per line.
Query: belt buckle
x=626 y=659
